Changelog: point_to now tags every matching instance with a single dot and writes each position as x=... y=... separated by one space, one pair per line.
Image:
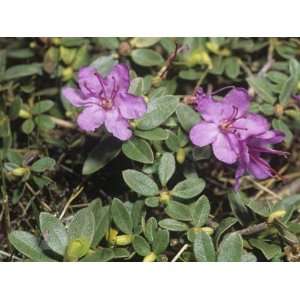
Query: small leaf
x=261 y=87
x=238 y=207
x=232 y=67
x=161 y=241
x=200 y=211
x=166 y=168
x=42 y=106
x=82 y=227
x=100 y=255
x=231 y=248
x=101 y=155
x=44 y=122
x=104 y=64
x=157 y=134
x=223 y=226
x=147 y=57
x=28 y=126
x=29 y=245
x=188 y=188
x=137 y=86
x=19 y=71
x=203 y=248
x=54 y=233
x=121 y=216
x=150 y=229
x=141 y=246
x=187 y=116
x=144 y=42
x=140 y=183
x=173 y=225
x=280 y=125
x=159 y=110
x=152 y=201
x=138 y=150
x=43 y=164
x=269 y=250
x=178 y=211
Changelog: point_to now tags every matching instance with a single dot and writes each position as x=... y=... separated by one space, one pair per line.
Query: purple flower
x=250 y=159
x=105 y=100
x=226 y=123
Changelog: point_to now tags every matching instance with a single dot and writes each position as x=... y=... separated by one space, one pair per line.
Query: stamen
x=102 y=84
x=115 y=89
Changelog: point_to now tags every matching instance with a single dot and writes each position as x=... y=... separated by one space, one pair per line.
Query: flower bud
x=180 y=155
x=76 y=249
x=56 y=41
x=124 y=48
x=164 y=197
x=276 y=215
x=123 y=240
x=19 y=171
x=67 y=73
x=156 y=81
x=150 y=257
x=24 y=114
x=279 y=110
x=111 y=235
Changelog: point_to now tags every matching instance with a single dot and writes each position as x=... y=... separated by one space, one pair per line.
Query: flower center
x=106 y=103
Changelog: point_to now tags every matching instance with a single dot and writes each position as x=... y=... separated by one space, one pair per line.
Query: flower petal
x=204 y=133
x=251 y=125
x=121 y=74
x=271 y=137
x=117 y=126
x=89 y=82
x=74 y=96
x=131 y=107
x=223 y=150
x=239 y=98
x=91 y=118
x=259 y=168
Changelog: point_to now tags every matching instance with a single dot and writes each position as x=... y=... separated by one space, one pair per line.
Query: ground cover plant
x=150 y=149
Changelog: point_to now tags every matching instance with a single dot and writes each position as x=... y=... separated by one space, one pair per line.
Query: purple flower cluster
x=237 y=135
x=105 y=100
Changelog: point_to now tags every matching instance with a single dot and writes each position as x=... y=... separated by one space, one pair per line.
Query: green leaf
x=269 y=250
x=104 y=64
x=147 y=57
x=150 y=229
x=188 y=188
x=231 y=248
x=82 y=227
x=43 y=164
x=238 y=207
x=280 y=125
x=187 y=116
x=101 y=155
x=173 y=141
x=141 y=246
x=178 y=211
x=144 y=42
x=102 y=219
x=137 y=86
x=29 y=245
x=110 y=43
x=19 y=71
x=42 y=106
x=159 y=110
x=173 y=225
x=161 y=241
x=140 y=183
x=166 y=168
x=100 y=255
x=261 y=88
x=200 y=211
x=138 y=150
x=28 y=126
x=121 y=216
x=15 y=108
x=232 y=67
x=203 y=248
x=152 y=201
x=44 y=122
x=157 y=134
x=54 y=233
x=223 y=227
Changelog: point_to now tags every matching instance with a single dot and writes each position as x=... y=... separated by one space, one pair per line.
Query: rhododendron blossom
x=105 y=100
x=236 y=134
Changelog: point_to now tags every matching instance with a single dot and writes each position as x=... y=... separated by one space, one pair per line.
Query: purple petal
x=117 y=126
x=74 y=96
x=211 y=111
x=238 y=98
x=120 y=73
x=223 y=150
x=271 y=137
x=251 y=125
x=259 y=168
x=131 y=107
x=204 y=133
x=91 y=118
x=89 y=83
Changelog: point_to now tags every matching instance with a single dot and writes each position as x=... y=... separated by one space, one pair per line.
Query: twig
x=180 y=252
x=9 y=255
x=253 y=229
x=63 y=123
x=72 y=198
x=268 y=65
